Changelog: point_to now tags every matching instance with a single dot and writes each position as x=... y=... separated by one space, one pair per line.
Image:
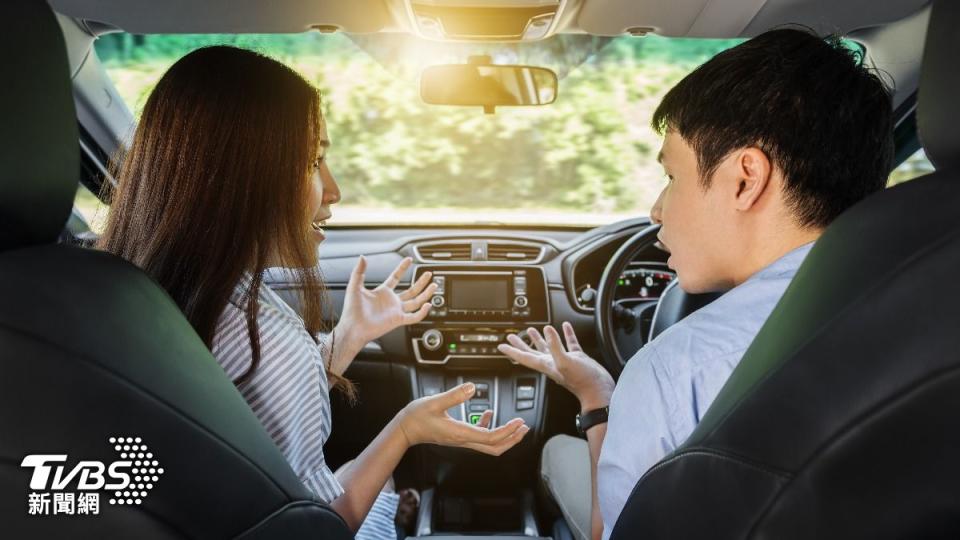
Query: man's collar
x=785 y=265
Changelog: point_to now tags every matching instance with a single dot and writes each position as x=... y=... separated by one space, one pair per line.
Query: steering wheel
x=620 y=331
x=619 y=327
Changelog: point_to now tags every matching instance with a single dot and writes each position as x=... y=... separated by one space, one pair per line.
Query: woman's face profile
x=324 y=190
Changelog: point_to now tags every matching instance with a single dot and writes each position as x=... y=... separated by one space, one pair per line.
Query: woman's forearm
x=365 y=478
x=342 y=349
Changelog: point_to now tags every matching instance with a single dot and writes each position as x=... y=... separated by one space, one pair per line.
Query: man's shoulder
x=725 y=326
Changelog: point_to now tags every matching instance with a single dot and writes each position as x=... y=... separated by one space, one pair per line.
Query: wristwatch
x=592 y=418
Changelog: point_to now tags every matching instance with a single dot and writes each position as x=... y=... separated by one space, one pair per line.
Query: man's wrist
x=587 y=406
x=596 y=398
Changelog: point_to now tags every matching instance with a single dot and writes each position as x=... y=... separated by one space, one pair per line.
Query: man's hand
x=568 y=366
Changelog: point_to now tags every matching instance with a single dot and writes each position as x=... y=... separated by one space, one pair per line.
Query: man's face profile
x=696 y=221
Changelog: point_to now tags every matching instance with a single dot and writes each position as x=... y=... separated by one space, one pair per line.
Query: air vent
x=445 y=252
x=513 y=252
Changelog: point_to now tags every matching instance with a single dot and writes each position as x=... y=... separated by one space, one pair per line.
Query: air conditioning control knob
x=432 y=339
x=437 y=301
x=520 y=301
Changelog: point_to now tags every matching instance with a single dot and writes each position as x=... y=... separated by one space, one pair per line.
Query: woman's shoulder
x=284 y=341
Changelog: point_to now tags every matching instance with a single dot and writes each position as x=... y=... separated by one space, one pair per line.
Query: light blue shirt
x=668 y=385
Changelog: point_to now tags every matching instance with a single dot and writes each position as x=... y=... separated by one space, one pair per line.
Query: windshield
x=587 y=159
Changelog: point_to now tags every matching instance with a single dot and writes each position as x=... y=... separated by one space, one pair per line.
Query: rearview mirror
x=487 y=85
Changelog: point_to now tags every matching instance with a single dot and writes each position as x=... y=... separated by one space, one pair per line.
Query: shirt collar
x=786 y=265
x=266 y=295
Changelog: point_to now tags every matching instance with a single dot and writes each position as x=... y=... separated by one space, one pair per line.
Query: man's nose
x=656 y=213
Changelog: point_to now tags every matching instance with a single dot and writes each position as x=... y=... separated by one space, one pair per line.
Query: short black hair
x=822 y=117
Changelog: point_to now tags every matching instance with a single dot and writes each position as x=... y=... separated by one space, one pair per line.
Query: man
x=764 y=145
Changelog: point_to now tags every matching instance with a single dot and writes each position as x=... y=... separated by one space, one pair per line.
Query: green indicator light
x=453 y=346
x=475 y=418
x=619 y=282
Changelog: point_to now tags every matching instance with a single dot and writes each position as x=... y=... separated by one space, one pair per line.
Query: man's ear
x=754 y=172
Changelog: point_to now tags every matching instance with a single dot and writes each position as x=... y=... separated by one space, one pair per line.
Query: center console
x=474 y=309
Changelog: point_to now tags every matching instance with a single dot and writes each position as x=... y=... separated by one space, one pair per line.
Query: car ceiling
x=689 y=18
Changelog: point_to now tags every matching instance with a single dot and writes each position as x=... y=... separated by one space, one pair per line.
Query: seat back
x=840 y=421
x=92 y=351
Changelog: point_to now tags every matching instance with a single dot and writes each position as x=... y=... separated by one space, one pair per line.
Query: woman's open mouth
x=317 y=227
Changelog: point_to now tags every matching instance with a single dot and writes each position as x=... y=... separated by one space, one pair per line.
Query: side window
x=90 y=209
x=914 y=166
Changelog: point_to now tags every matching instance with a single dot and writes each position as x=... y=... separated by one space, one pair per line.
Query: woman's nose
x=331 y=191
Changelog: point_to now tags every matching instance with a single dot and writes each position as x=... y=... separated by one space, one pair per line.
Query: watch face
x=577 y=421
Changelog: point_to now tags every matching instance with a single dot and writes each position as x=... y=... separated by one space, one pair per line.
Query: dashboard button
x=520 y=285
x=475 y=418
x=525 y=392
x=520 y=301
x=432 y=339
x=437 y=301
x=587 y=296
x=524 y=404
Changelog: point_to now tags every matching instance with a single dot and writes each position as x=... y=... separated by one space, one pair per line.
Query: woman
x=227 y=176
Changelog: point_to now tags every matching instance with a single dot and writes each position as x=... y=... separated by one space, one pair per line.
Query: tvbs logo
x=75 y=490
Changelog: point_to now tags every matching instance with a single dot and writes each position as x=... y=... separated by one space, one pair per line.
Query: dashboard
x=477 y=304
x=491 y=282
x=643 y=280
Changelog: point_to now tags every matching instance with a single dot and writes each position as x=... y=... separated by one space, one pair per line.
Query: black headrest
x=938 y=112
x=39 y=148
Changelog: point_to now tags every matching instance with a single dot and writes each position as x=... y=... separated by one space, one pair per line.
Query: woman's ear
x=755 y=171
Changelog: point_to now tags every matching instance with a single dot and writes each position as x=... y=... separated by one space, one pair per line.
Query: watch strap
x=592 y=418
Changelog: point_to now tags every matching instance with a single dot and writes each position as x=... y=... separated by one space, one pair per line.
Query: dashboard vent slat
x=445 y=252
x=512 y=252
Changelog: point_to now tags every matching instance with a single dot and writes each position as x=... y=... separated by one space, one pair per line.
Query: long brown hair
x=216 y=180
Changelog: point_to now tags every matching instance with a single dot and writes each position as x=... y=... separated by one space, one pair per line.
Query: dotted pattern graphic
x=146 y=470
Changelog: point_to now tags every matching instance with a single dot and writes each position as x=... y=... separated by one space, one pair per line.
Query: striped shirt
x=288 y=391
x=290 y=395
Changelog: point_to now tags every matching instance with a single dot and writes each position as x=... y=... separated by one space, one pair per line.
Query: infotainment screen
x=478 y=293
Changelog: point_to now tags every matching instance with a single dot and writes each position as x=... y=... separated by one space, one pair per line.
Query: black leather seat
x=91 y=348
x=841 y=421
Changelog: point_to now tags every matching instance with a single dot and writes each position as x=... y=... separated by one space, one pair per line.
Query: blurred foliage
x=591 y=152
x=914 y=166
x=590 y=155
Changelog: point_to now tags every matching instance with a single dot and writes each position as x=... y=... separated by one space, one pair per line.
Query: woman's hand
x=371 y=313
x=422 y=421
x=426 y=421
